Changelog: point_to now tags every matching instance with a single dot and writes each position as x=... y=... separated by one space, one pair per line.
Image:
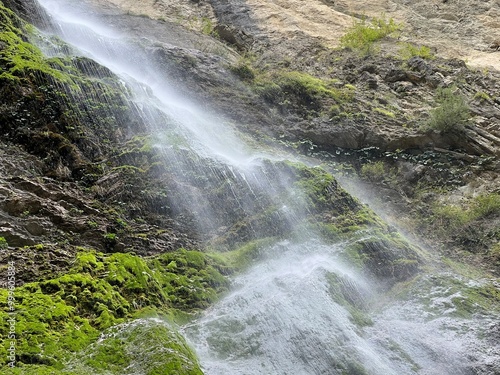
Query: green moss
x=46 y=327
x=244 y=256
x=400 y=352
x=388 y=256
x=189 y=279
x=299 y=91
x=3 y=243
x=453 y=296
x=243 y=70
x=350 y=298
x=482 y=96
x=58 y=317
x=146 y=346
x=20 y=59
x=385 y=112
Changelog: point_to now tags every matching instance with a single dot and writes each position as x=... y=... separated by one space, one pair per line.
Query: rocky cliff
x=91 y=212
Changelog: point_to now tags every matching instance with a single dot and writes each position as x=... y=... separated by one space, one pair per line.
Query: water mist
x=302 y=308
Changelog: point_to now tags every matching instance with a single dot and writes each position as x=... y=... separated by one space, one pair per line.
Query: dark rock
x=15 y=236
x=234 y=36
x=370 y=68
x=30 y=11
x=369 y=79
x=402 y=86
x=35 y=229
x=420 y=65
x=395 y=75
x=91 y=68
x=415 y=77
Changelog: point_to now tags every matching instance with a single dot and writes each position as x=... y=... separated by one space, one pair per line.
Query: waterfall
x=302 y=308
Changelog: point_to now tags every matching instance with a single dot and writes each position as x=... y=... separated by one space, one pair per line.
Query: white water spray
x=286 y=314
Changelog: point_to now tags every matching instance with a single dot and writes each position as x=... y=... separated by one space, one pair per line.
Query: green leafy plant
x=409 y=50
x=243 y=70
x=452 y=112
x=374 y=171
x=362 y=35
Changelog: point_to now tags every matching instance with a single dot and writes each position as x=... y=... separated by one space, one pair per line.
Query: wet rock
x=91 y=68
x=31 y=11
x=391 y=261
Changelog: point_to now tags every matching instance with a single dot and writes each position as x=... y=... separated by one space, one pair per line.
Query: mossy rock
x=144 y=346
x=150 y=346
x=58 y=317
x=387 y=256
x=66 y=110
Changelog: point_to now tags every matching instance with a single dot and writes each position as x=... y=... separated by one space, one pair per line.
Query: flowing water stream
x=284 y=315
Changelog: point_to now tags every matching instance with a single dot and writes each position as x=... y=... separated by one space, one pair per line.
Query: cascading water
x=301 y=309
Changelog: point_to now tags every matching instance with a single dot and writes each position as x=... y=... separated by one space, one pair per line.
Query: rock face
x=96 y=218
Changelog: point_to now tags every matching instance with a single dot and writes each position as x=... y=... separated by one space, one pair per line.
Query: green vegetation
x=409 y=50
x=385 y=112
x=482 y=96
x=144 y=346
x=374 y=171
x=189 y=279
x=345 y=294
x=452 y=113
x=362 y=35
x=3 y=243
x=244 y=256
x=450 y=218
x=243 y=70
x=59 y=317
x=299 y=91
x=388 y=256
x=453 y=296
x=296 y=91
x=207 y=27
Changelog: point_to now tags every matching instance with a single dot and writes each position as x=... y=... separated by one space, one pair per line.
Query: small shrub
x=3 y=243
x=453 y=217
x=244 y=71
x=409 y=50
x=110 y=236
x=452 y=112
x=362 y=35
x=207 y=27
x=450 y=217
x=486 y=204
x=374 y=171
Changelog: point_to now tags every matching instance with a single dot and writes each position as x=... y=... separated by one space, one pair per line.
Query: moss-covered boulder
x=54 y=107
x=59 y=317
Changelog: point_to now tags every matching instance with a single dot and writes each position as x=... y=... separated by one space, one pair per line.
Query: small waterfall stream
x=287 y=313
